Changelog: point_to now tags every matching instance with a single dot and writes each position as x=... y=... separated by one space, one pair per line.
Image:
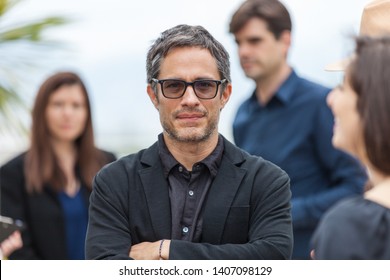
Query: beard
x=190 y=134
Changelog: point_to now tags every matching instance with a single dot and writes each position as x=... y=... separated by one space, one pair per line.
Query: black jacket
x=246 y=212
x=44 y=236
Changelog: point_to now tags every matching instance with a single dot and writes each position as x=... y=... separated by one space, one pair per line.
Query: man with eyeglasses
x=193 y=194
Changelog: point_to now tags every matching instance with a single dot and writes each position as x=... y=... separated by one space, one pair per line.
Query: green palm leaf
x=29 y=35
x=6 y=5
x=9 y=115
x=31 y=31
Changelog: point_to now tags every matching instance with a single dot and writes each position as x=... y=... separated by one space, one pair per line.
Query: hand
x=12 y=243
x=150 y=250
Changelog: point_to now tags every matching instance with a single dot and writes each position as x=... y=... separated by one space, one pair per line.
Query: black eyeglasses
x=174 y=89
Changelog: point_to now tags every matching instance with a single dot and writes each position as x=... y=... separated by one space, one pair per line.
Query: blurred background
x=106 y=41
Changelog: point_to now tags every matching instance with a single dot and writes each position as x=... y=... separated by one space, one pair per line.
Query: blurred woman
x=48 y=186
x=359 y=228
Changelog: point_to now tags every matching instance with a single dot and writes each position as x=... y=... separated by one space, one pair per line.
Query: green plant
x=15 y=66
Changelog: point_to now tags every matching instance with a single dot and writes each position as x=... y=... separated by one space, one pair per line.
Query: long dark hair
x=369 y=76
x=41 y=166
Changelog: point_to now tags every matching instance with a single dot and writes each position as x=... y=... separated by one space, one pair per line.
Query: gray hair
x=186 y=36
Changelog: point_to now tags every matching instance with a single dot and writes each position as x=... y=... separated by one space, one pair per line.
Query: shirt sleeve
x=269 y=235
x=107 y=220
x=13 y=204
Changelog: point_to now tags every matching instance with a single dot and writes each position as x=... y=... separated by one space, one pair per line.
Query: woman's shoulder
x=354 y=215
x=12 y=172
x=353 y=229
x=15 y=163
x=348 y=217
x=354 y=208
x=109 y=156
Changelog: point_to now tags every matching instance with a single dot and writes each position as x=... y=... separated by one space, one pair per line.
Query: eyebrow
x=252 y=39
x=196 y=79
x=255 y=39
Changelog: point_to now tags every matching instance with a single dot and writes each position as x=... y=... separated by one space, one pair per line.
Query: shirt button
x=180 y=168
x=191 y=193
x=185 y=229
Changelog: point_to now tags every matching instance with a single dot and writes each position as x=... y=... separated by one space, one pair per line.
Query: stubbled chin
x=247 y=70
x=191 y=134
x=190 y=130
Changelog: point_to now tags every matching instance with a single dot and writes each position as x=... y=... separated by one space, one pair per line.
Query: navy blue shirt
x=294 y=131
x=76 y=220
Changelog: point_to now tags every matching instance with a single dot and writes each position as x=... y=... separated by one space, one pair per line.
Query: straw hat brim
x=375 y=21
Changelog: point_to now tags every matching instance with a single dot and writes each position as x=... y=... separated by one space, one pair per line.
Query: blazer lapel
x=221 y=196
x=157 y=193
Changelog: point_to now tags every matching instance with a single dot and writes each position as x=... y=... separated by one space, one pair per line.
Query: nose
x=189 y=96
x=68 y=110
x=243 y=50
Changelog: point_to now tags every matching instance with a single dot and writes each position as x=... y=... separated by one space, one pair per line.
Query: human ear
x=226 y=95
x=152 y=95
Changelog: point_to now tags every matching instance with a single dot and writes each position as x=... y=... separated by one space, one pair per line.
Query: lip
x=246 y=64
x=189 y=116
x=66 y=127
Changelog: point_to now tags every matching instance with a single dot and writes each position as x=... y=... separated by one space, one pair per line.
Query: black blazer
x=246 y=212
x=44 y=237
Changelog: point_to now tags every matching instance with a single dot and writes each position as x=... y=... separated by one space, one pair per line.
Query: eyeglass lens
x=203 y=89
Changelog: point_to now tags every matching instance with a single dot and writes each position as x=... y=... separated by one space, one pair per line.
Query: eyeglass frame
x=218 y=82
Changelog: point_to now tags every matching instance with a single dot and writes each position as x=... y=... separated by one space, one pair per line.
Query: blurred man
x=286 y=119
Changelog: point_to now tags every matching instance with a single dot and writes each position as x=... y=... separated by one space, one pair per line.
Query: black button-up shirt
x=188 y=189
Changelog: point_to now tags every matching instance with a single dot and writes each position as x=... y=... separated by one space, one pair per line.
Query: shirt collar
x=285 y=92
x=212 y=161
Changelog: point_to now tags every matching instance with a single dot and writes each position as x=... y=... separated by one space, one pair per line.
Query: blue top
x=76 y=221
x=294 y=130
